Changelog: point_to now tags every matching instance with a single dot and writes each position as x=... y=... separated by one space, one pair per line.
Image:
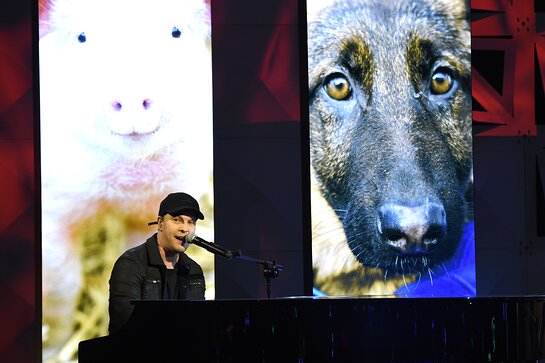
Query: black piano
x=307 y=329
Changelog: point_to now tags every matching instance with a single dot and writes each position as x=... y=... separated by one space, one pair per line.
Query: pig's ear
x=202 y=21
x=208 y=11
x=44 y=15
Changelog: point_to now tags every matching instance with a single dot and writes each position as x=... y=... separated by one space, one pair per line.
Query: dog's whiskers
x=419 y=277
x=341 y=211
x=430 y=273
x=327 y=233
x=446 y=270
x=405 y=282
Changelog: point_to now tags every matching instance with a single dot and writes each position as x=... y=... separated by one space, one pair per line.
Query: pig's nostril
x=146 y=103
x=117 y=106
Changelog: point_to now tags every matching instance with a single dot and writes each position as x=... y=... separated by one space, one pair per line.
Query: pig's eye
x=82 y=38
x=176 y=32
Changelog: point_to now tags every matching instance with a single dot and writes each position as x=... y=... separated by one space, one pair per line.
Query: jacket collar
x=153 y=251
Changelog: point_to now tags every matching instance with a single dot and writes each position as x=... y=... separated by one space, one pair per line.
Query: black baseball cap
x=177 y=203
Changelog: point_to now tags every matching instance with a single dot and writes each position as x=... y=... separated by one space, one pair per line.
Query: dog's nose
x=412 y=228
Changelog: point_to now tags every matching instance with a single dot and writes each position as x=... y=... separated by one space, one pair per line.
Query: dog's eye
x=337 y=87
x=441 y=81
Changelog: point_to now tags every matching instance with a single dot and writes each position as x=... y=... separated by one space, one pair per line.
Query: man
x=159 y=269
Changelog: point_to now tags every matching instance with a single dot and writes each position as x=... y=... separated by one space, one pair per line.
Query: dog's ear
x=315 y=6
x=456 y=8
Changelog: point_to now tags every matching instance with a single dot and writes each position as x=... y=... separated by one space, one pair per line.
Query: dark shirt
x=140 y=274
x=172 y=283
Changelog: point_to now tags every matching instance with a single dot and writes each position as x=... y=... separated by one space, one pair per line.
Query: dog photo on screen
x=391 y=147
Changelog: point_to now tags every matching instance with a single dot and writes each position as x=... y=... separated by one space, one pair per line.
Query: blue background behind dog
x=509 y=175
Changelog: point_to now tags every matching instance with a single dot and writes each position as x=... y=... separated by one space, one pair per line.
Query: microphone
x=209 y=246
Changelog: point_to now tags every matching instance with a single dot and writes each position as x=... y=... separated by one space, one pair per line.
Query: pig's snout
x=133 y=115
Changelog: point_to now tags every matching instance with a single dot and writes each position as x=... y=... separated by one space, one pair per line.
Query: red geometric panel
x=15 y=58
x=256 y=62
x=19 y=337
x=508 y=26
x=279 y=71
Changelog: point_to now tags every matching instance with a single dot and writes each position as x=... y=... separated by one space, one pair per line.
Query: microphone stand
x=270 y=268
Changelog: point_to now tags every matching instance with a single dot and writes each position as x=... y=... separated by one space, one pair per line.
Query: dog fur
x=390 y=135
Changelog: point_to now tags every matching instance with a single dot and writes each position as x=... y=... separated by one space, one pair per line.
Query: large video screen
x=391 y=148
x=125 y=119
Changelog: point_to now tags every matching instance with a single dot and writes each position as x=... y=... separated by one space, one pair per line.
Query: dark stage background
x=261 y=197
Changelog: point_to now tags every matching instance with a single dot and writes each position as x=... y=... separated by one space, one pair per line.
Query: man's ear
x=159 y=223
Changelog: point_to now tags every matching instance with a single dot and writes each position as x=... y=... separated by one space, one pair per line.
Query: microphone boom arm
x=270 y=268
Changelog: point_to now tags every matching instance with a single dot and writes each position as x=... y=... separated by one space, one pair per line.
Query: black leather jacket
x=139 y=274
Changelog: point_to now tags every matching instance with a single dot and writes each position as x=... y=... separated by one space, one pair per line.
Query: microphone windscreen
x=190 y=237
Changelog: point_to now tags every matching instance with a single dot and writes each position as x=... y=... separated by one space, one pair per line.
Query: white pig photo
x=125 y=119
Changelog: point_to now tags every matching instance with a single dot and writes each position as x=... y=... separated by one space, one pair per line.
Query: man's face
x=172 y=231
